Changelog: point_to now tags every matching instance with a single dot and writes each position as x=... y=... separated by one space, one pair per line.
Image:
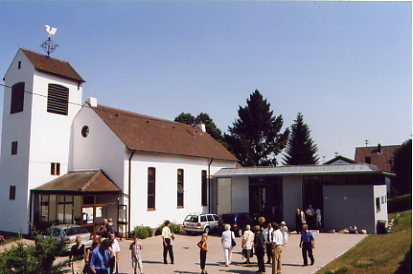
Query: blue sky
x=347 y=66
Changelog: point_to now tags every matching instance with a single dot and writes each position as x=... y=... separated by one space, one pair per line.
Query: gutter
x=129 y=189
x=209 y=184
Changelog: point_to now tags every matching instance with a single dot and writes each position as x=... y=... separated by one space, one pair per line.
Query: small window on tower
x=17 y=98
x=367 y=159
x=19 y=64
x=12 y=193
x=13 y=148
x=57 y=99
x=55 y=169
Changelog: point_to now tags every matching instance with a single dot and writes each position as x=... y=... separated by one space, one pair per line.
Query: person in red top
x=203 y=246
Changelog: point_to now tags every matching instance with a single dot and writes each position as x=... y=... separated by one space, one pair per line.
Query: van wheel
x=239 y=232
x=206 y=230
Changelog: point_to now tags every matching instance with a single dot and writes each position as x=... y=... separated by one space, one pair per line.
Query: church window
x=180 y=188
x=57 y=99
x=204 y=188
x=17 y=98
x=13 y=148
x=19 y=64
x=55 y=169
x=367 y=159
x=12 y=193
x=151 y=188
x=85 y=131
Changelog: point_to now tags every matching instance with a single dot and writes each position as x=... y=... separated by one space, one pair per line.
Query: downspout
x=209 y=185
x=129 y=189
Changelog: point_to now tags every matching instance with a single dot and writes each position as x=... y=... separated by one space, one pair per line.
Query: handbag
x=233 y=243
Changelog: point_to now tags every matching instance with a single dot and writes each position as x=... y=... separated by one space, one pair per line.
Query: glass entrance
x=266 y=198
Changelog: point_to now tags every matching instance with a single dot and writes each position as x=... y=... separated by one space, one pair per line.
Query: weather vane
x=49 y=45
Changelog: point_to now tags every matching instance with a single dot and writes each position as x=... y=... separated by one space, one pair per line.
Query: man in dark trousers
x=267 y=234
x=307 y=244
x=259 y=248
x=167 y=238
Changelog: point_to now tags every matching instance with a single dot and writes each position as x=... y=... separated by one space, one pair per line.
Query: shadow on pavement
x=152 y=262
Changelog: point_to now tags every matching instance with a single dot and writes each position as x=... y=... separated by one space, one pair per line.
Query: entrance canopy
x=80 y=182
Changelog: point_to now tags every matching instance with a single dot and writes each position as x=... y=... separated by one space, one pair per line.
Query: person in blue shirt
x=307 y=244
x=100 y=257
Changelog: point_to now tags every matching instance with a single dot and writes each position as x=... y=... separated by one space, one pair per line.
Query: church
x=69 y=160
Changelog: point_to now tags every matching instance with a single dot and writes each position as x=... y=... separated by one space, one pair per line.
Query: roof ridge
x=140 y=115
x=35 y=52
x=381 y=146
x=90 y=181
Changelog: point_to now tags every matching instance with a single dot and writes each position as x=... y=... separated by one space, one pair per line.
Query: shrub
x=175 y=228
x=142 y=232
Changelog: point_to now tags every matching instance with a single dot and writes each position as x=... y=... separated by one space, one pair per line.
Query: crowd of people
x=263 y=240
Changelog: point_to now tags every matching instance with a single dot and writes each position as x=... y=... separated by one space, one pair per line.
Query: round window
x=85 y=131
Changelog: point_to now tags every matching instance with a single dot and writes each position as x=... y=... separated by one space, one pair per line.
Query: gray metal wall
x=346 y=205
x=292 y=198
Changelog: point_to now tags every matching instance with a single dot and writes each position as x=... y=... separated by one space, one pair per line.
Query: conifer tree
x=402 y=166
x=255 y=137
x=301 y=149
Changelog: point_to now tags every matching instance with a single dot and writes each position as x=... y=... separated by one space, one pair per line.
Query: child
x=136 y=249
x=203 y=251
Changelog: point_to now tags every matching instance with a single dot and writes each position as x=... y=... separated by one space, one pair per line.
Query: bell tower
x=42 y=95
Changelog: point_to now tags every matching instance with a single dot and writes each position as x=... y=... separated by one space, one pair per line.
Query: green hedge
x=399 y=203
x=142 y=232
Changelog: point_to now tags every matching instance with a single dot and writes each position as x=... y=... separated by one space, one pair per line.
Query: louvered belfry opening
x=57 y=99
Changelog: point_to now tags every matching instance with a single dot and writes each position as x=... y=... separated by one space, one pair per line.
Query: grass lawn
x=386 y=253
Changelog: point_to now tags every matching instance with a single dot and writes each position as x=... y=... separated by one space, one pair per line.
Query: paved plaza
x=327 y=247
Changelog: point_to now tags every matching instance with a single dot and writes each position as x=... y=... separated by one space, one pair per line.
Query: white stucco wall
x=292 y=198
x=346 y=205
x=380 y=191
x=101 y=149
x=166 y=187
x=14 y=168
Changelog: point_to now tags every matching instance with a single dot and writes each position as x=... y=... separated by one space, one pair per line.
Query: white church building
x=64 y=160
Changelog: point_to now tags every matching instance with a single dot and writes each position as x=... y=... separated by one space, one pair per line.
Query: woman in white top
x=247 y=243
x=226 y=243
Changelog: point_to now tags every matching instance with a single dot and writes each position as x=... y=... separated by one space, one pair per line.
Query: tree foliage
x=301 y=149
x=202 y=118
x=255 y=136
x=33 y=259
x=402 y=166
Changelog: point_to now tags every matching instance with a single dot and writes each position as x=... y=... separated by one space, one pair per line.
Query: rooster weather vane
x=49 y=45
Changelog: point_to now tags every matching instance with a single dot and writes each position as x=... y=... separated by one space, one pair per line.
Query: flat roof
x=331 y=169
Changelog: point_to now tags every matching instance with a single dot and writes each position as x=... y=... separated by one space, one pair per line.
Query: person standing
x=77 y=256
x=259 y=248
x=267 y=234
x=298 y=221
x=285 y=232
x=310 y=216
x=100 y=257
x=136 y=254
x=247 y=243
x=277 y=248
x=226 y=242
x=307 y=244
x=203 y=249
x=115 y=249
x=318 y=218
x=167 y=242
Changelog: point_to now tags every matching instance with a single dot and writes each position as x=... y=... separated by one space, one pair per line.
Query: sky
x=346 y=66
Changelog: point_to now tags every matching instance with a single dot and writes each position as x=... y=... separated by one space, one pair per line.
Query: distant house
x=340 y=160
x=66 y=161
x=381 y=156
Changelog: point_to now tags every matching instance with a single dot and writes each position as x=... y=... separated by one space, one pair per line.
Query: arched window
x=17 y=98
x=57 y=99
x=180 y=188
x=151 y=188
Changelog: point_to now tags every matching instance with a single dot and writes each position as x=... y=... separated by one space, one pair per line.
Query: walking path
x=327 y=248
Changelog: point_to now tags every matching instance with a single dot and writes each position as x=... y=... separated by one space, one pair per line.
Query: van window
x=191 y=218
x=210 y=218
x=203 y=219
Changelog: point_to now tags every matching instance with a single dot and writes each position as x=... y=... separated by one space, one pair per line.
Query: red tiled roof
x=53 y=66
x=383 y=159
x=148 y=134
x=80 y=181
